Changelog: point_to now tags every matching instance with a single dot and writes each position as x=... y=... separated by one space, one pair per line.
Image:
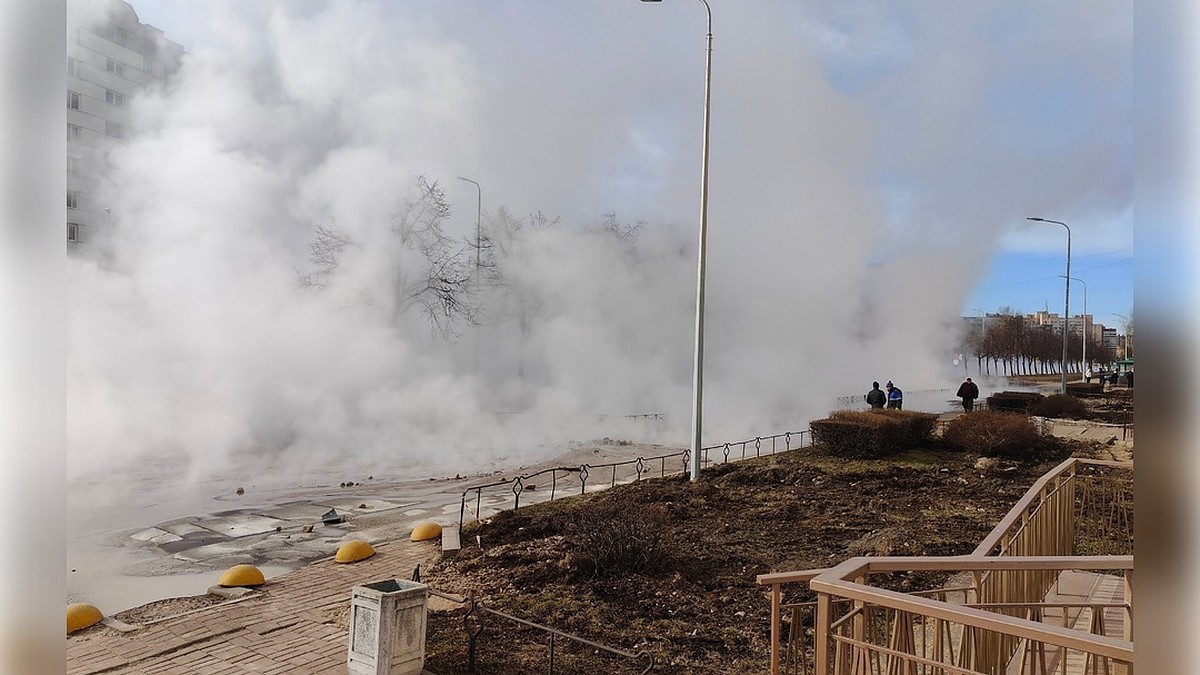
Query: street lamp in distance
x=478 y=249
x=1086 y=367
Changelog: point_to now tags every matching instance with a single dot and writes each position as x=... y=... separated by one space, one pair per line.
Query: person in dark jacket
x=895 y=396
x=968 y=391
x=1129 y=379
x=875 y=398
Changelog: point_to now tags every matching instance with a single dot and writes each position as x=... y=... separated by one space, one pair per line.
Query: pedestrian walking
x=895 y=397
x=968 y=391
x=875 y=398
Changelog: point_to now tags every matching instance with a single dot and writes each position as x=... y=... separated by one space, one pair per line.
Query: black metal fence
x=569 y=479
x=474 y=624
x=856 y=399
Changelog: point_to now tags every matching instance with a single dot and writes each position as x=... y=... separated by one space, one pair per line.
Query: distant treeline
x=1007 y=345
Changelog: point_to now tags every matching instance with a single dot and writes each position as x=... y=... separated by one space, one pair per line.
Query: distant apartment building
x=1051 y=321
x=1110 y=338
x=1078 y=324
x=112 y=58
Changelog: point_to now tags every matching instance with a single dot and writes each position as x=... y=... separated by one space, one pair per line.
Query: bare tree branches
x=323 y=252
x=427 y=269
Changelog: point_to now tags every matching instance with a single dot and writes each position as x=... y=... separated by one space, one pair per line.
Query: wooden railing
x=862 y=629
x=999 y=619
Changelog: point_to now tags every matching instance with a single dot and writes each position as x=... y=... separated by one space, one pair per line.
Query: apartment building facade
x=112 y=59
x=1052 y=321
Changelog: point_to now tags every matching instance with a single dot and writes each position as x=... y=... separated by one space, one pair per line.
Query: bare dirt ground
x=699 y=609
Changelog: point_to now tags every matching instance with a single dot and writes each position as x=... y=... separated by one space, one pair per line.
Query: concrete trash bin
x=387 y=628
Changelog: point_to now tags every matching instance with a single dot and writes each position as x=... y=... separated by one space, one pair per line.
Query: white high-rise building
x=112 y=58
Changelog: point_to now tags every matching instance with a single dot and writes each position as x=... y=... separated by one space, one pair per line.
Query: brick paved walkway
x=291 y=627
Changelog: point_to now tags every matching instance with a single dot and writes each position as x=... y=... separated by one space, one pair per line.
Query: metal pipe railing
x=639 y=467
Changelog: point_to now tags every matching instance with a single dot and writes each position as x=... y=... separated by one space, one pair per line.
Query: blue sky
x=1029 y=282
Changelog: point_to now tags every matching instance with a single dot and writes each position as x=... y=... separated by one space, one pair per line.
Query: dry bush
x=608 y=538
x=1060 y=406
x=993 y=433
x=872 y=433
x=1013 y=401
x=1085 y=389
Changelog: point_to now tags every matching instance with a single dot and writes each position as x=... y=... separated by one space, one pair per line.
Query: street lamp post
x=1067 y=298
x=698 y=370
x=478 y=218
x=983 y=330
x=1085 y=330
x=478 y=249
x=1122 y=317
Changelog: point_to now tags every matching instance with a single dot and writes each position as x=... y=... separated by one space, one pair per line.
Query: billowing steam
x=849 y=217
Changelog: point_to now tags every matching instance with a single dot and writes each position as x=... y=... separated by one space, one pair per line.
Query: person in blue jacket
x=895 y=396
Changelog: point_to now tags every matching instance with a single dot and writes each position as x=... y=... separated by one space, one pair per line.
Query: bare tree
x=622 y=232
x=428 y=270
x=323 y=252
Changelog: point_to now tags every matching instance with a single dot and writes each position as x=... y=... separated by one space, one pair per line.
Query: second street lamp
x=478 y=250
x=1086 y=367
x=983 y=332
x=478 y=217
x=1067 y=300
x=698 y=371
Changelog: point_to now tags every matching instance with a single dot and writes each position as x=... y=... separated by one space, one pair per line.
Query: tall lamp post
x=1128 y=323
x=1085 y=330
x=478 y=217
x=983 y=331
x=478 y=249
x=698 y=370
x=1067 y=298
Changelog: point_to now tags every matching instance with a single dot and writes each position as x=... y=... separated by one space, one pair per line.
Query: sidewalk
x=295 y=624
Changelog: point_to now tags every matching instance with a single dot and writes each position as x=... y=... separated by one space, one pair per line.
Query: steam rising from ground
x=830 y=262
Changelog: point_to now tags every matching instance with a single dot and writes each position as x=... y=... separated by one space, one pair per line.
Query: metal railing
x=856 y=399
x=1003 y=616
x=874 y=630
x=474 y=626
x=575 y=479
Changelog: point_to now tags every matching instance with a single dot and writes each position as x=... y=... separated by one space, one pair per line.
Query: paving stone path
x=289 y=626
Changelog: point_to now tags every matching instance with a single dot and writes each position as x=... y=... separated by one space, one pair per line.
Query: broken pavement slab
x=155 y=535
x=364 y=506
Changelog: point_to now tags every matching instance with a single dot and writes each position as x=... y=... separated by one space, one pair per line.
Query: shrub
x=859 y=433
x=1085 y=389
x=1013 y=401
x=1060 y=405
x=993 y=433
x=607 y=538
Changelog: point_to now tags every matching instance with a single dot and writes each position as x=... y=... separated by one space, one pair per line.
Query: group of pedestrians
x=1109 y=378
x=877 y=398
x=894 y=398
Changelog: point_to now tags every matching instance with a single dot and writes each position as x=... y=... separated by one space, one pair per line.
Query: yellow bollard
x=426 y=530
x=242 y=575
x=353 y=551
x=80 y=615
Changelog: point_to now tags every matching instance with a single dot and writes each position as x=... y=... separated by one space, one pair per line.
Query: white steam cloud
x=842 y=240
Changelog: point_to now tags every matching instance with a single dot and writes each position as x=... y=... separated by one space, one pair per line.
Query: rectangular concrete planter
x=387 y=628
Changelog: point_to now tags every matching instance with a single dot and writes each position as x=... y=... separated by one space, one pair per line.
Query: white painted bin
x=387 y=628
